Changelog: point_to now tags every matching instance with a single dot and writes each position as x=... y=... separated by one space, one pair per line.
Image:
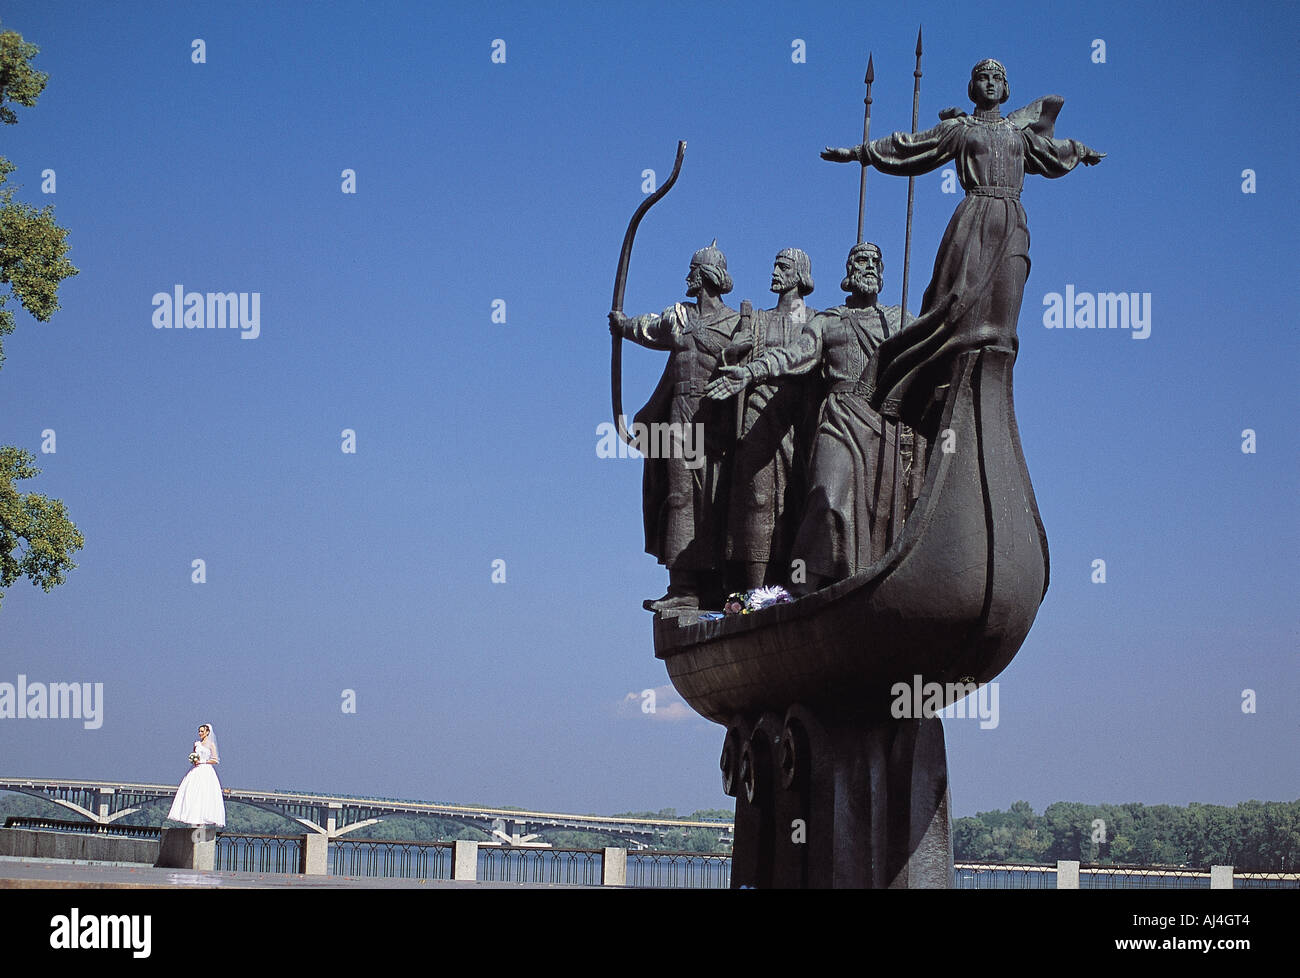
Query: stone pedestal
x=1067 y=874
x=192 y=848
x=1221 y=878
x=613 y=867
x=315 y=860
x=841 y=802
x=464 y=860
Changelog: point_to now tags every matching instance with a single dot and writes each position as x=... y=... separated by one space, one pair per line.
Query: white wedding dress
x=198 y=800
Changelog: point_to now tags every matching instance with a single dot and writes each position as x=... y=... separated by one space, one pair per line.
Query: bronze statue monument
x=925 y=561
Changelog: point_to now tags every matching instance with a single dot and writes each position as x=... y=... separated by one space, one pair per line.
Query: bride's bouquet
x=194 y=757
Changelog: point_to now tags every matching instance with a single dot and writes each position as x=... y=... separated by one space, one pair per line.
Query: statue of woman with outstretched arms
x=973 y=299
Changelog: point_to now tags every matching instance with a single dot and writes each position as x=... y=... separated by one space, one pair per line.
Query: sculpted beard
x=862 y=282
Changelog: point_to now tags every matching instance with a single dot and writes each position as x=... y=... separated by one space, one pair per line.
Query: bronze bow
x=620 y=285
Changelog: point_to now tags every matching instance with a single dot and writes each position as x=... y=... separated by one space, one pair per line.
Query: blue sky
x=479 y=181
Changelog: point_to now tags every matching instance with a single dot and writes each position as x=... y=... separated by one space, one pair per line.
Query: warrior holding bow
x=683 y=500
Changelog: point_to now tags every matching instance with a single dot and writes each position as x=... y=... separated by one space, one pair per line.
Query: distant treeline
x=1253 y=836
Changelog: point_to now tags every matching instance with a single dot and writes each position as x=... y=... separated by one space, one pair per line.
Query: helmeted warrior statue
x=683 y=488
x=772 y=429
x=973 y=299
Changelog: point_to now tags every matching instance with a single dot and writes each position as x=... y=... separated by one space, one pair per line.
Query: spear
x=918 y=442
x=866 y=133
x=911 y=181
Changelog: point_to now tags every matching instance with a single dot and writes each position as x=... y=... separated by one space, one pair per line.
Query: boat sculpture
x=951 y=601
x=808 y=691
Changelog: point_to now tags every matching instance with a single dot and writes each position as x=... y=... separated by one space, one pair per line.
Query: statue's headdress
x=802 y=267
x=713 y=266
x=989 y=64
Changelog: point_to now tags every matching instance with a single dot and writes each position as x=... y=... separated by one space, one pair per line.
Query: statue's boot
x=683 y=594
x=668 y=604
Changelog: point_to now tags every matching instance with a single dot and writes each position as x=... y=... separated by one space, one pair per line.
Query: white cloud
x=659 y=703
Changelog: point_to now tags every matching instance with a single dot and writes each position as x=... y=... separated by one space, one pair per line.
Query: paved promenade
x=55 y=875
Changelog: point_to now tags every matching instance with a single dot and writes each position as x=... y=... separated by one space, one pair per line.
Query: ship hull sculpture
x=835 y=785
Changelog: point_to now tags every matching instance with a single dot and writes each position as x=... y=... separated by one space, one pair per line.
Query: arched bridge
x=104 y=802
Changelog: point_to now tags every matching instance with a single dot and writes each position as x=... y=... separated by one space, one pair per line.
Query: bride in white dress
x=198 y=800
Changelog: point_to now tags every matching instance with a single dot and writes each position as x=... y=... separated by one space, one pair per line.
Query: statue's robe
x=844 y=515
x=766 y=483
x=684 y=506
x=847 y=513
x=985 y=248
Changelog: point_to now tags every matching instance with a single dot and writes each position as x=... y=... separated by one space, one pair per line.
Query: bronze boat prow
x=950 y=602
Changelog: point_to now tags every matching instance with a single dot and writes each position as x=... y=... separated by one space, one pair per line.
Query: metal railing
x=1266 y=881
x=509 y=864
x=416 y=859
x=247 y=852
x=83 y=828
x=693 y=870
x=1003 y=876
x=406 y=858
x=1092 y=876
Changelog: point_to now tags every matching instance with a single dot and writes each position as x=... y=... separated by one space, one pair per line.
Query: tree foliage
x=37 y=540
x=20 y=83
x=1253 y=836
x=33 y=257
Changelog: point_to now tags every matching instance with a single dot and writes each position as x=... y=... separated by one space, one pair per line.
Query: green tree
x=1069 y=826
x=972 y=840
x=37 y=540
x=708 y=813
x=1253 y=837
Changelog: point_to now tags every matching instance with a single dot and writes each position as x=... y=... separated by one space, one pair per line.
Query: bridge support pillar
x=315 y=855
x=1220 y=877
x=332 y=818
x=104 y=803
x=518 y=834
x=1067 y=874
